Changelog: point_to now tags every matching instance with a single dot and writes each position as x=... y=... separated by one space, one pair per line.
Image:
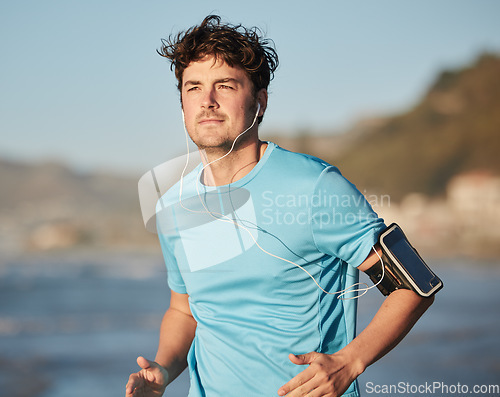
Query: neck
x=234 y=166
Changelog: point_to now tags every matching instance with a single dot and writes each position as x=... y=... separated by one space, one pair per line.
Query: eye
x=225 y=87
x=194 y=88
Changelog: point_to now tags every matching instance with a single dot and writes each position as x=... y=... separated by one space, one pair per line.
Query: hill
x=453 y=129
x=49 y=206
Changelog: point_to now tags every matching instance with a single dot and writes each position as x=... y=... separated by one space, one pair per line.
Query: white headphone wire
x=224 y=218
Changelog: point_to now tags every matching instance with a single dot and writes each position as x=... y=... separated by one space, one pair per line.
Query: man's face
x=218 y=103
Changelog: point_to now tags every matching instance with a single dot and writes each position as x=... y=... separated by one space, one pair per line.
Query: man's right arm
x=176 y=335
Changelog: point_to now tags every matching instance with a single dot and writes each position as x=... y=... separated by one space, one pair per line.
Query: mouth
x=210 y=121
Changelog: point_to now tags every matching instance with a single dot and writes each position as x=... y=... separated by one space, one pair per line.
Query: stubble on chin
x=219 y=139
x=212 y=139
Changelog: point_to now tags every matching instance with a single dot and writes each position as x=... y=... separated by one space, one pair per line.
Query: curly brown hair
x=233 y=44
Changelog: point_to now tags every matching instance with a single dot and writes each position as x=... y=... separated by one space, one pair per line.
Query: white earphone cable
x=224 y=218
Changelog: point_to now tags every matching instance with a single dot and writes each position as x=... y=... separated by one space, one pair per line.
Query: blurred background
x=402 y=96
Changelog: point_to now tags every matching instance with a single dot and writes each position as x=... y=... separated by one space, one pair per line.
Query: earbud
x=258 y=108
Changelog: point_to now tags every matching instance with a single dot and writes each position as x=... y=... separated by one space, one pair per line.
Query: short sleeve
x=343 y=223
x=175 y=280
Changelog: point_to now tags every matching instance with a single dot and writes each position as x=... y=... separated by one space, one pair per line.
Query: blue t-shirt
x=247 y=253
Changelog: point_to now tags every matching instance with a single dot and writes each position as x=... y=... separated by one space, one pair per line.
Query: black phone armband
x=403 y=267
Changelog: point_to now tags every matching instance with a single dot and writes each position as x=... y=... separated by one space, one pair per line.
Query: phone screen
x=397 y=243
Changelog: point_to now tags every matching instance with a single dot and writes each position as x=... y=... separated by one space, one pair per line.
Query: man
x=259 y=243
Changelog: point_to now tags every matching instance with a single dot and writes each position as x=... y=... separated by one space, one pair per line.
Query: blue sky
x=81 y=82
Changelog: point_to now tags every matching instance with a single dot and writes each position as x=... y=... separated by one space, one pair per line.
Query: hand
x=327 y=375
x=151 y=381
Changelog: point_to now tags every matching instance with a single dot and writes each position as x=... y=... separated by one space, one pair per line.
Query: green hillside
x=453 y=129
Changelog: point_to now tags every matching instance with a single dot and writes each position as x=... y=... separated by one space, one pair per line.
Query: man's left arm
x=331 y=374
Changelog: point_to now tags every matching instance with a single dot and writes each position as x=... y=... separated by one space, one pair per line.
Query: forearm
x=397 y=315
x=176 y=335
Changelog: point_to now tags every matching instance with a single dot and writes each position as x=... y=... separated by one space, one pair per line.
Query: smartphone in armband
x=406 y=265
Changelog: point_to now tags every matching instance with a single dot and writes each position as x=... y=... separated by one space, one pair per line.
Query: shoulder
x=303 y=170
x=307 y=173
x=297 y=163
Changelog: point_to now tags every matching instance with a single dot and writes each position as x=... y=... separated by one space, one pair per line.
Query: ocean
x=72 y=325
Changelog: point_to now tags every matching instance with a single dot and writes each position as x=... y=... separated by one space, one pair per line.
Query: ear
x=262 y=100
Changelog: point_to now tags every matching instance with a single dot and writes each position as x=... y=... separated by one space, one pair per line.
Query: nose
x=209 y=100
